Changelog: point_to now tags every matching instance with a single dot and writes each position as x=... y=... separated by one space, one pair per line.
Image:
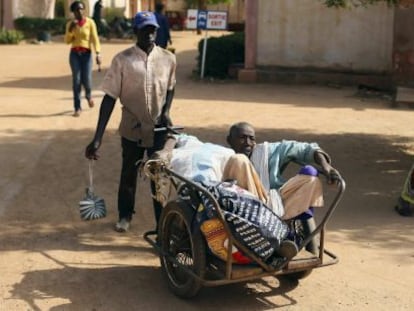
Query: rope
x=91 y=162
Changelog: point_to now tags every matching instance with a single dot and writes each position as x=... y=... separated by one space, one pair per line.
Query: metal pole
x=203 y=59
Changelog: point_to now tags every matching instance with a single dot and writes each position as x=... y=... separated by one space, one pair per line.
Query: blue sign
x=202 y=20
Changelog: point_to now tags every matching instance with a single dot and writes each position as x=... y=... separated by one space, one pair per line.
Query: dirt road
x=51 y=260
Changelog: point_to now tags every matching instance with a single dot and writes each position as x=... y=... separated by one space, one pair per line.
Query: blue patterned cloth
x=251 y=222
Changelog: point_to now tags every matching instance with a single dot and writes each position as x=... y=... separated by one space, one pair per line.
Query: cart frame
x=228 y=272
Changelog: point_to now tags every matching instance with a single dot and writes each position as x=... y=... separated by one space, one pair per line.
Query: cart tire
x=187 y=246
x=299 y=275
x=309 y=226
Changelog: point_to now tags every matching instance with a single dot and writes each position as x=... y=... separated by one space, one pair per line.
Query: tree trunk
x=202 y=4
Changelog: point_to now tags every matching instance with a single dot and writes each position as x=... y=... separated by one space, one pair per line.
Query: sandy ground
x=52 y=260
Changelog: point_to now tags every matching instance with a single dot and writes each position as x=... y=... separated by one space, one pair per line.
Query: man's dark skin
x=146 y=42
x=242 y=139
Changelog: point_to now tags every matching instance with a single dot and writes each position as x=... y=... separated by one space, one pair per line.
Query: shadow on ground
x=132 y=283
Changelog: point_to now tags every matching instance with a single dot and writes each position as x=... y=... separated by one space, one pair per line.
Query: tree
x=355 y=3
x=202 y=4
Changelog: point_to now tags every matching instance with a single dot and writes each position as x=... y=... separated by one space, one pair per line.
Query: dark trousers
x=131 y=154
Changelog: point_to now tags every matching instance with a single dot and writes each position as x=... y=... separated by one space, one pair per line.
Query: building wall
x=7 y=14
x=130 y=7
x=176 y=5
x=235 y=10
x=12 y=9
x=404 y=46
x=31 y=8
x=109 y=3
x=305 y=33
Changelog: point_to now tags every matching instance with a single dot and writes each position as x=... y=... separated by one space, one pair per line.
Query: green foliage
x=218 y=1
x=10 y=36
x=355 y=3
x=221 y=53
x=31 y=26
x=60 y=8
x=193 y=4
x=111 y=13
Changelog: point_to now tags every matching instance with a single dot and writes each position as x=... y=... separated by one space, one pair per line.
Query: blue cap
x=145 y=18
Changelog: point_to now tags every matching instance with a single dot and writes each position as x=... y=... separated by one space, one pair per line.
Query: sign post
x=202 y=24
x=207 y=20
x=191 y=19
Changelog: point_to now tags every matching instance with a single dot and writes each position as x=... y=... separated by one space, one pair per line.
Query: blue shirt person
x=163 y=32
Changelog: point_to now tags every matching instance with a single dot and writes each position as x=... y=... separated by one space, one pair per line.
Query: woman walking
x=81 y=33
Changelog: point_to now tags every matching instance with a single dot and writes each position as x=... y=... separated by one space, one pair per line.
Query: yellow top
x=84 y=36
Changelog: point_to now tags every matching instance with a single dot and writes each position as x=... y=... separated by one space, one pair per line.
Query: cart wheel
x=187 y=246
x=298 y=275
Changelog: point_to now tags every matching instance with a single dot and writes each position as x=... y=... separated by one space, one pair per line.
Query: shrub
x=60 y=8
x=111 y=13
x=221 y=53
x=32 y=26
x=10 y=36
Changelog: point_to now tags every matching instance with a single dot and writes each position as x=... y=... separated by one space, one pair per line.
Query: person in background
x=81 y=33
x=406 y=200
x=143 y=78
x=97 y=16
x=163 y=33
